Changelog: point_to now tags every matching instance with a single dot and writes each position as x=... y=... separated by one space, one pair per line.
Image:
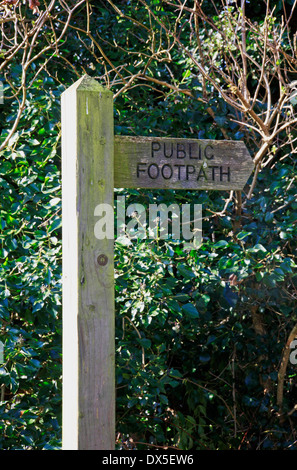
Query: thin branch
x=282 y=370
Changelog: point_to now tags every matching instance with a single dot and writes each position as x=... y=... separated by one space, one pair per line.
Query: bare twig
x=282 y=371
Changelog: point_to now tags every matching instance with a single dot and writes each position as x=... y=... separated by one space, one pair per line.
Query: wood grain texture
x=88 y=286
x=168 y=163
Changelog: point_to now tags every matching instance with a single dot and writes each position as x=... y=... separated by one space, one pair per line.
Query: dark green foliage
x=199 y=360
x=30 y=307
x=191 y=371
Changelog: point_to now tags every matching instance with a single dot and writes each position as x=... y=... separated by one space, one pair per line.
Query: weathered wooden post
x=88 y=268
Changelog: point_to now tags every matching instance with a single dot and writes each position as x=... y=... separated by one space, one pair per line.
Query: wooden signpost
x=150 y=162
x=94 y=162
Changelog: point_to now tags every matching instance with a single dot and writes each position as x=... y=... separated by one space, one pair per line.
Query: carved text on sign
x=179 y=168
x=168 y=163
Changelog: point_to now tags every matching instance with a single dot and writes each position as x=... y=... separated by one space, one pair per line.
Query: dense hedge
x=199 y=335
x=190 y=370
x=30 y=217
x=201 y=377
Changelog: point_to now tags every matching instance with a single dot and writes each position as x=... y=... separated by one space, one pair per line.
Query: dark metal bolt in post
x=102 y=260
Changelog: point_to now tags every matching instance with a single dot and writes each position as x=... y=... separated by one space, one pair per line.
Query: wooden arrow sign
x=168 y=163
